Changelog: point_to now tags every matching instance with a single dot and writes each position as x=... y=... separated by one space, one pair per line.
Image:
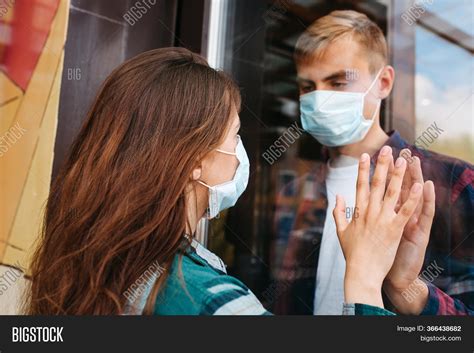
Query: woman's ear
x=196 y=175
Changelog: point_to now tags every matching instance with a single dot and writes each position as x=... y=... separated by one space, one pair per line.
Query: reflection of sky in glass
x=459 y=13
x=444 y=93
x=443 y=62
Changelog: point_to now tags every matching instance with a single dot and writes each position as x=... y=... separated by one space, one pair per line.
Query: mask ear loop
x=221 y=151
x=373 y=82
x=203 y=183
x=208 y=211
x=229 y=153
x=376 y=109
x=368 y=90
x=225 y=152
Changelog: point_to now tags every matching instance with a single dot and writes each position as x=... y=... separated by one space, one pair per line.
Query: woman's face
x=217 y=167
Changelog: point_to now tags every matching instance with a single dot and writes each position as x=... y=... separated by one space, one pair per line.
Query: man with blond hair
x=343 y=76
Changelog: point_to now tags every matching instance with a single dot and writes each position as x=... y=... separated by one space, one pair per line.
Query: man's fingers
x=406 y=154
x=391 y=168
x=417 y=177
x=428 y=209
x=362 y=188
x=416 y=173
x=409 y=206
x=406 y=185
x=393 y=190
x=339 y=214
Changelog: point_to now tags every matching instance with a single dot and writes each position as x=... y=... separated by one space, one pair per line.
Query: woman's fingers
x=339 y=214
x=377 y=186
x=394 y=187
x=362 y=189
x=428 y=209
x=409 y=206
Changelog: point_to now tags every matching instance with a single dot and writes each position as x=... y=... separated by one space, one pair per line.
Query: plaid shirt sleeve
x=451 y=238
x=439 y=303
x=228 y=296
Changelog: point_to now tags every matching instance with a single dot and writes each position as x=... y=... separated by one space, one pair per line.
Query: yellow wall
x=25 y=169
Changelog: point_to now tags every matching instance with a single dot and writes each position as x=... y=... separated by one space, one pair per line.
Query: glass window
x=284 y=196
x=282 y=210
x=444 y=80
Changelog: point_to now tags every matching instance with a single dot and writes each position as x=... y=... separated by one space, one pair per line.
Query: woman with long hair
x=158 y=151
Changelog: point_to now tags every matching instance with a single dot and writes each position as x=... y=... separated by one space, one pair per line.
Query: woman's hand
x=370 y=241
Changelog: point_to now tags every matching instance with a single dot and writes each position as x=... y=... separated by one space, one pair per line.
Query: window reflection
x=444 y=94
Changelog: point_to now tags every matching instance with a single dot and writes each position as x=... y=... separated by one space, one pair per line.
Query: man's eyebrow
x=303 y=80
x=336 y=75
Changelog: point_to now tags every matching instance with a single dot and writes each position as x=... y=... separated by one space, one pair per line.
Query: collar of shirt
x=208 y=256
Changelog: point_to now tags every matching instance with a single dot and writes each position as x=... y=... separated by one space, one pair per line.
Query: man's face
x=343 y=67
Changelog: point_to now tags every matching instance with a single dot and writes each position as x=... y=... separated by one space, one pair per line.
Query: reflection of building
x=32 y=36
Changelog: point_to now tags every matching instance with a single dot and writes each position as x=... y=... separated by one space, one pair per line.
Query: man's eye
x=339 y=84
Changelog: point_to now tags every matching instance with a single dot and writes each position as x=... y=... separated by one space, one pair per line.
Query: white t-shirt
x=329 y=294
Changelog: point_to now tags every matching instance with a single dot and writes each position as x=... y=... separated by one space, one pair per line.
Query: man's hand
x=402 y=280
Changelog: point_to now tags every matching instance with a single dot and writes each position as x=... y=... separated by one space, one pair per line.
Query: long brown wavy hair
x=118 y=203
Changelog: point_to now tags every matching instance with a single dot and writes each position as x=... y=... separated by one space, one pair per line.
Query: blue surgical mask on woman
x=225 y=195
x=336 y=118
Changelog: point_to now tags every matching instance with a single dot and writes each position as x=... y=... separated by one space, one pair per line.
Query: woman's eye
x=306 y=89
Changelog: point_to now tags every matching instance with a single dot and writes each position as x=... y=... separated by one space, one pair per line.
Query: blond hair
x=325 y=30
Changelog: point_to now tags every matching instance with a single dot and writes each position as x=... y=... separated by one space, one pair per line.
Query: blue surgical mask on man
x=336 y=118
x=225 y=195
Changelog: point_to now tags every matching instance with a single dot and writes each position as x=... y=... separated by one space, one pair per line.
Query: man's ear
x=387 y=77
